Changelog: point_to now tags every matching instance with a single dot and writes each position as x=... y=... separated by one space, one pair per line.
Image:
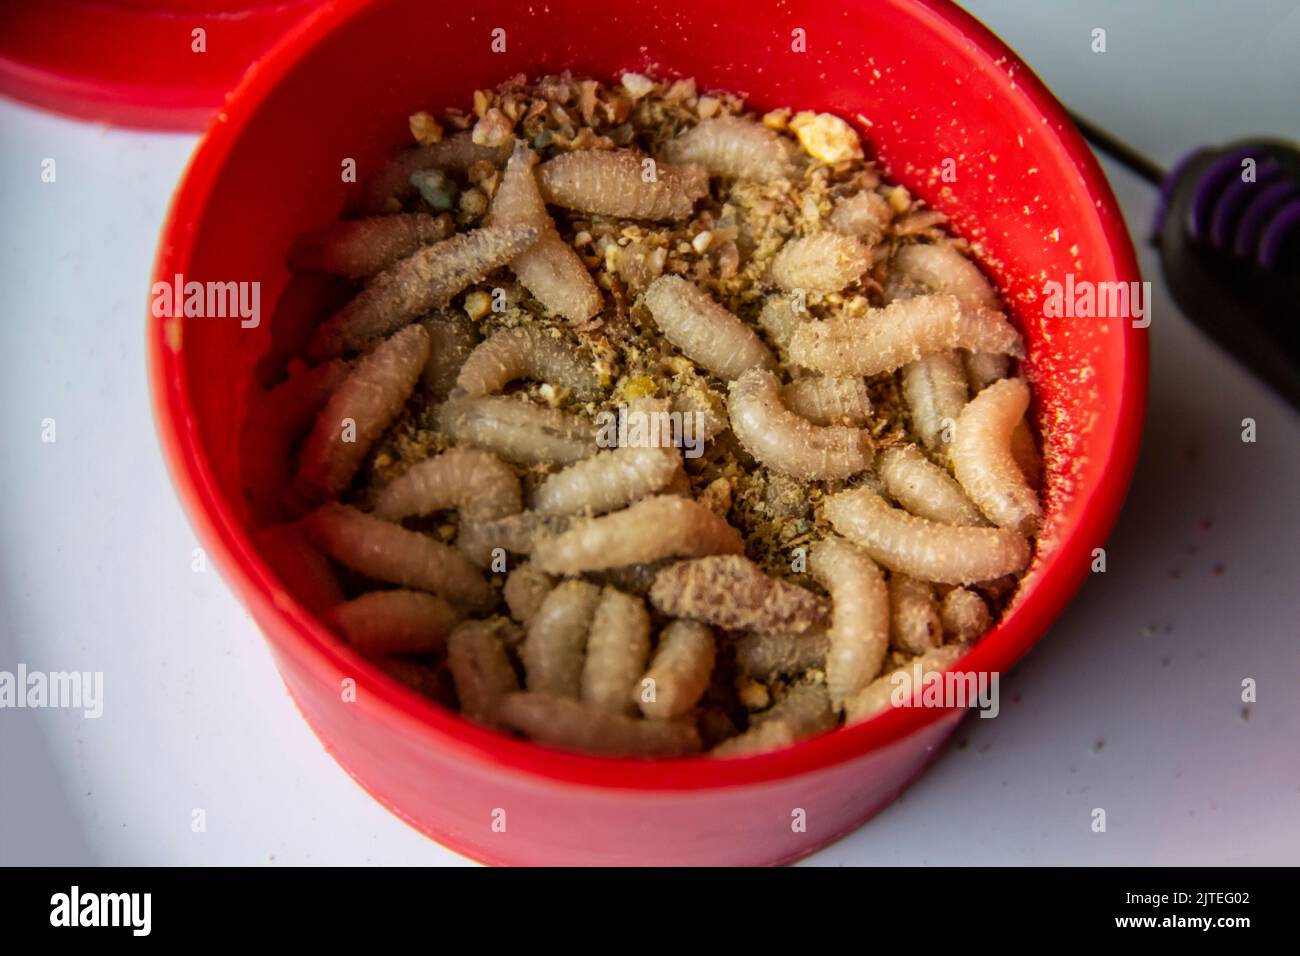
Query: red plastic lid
x=139 y=63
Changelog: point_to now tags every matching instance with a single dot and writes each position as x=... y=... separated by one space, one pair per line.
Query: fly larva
x=362 y=247
x=557 y=637
x=380 y=623
x=734 y=147
x=938 y=267
x=513 y=534
x=608 y=481
x=549 y=269
x=982 y=459
x=827 y=400
x=664 y=526
x=705 y=332
x=925 y=489
x=864 y=215
x=803 y=711
x=734 y=593
x=985 y=368
x=303 y=570
x=935 y=389
x=824 y=262
x=779 y=318
x=525 y=590
x=1025 y=451
x=272 y=427
x=480 y=486
x=859 y=633
x=619 y=184
x=617 y=647
x=902 y=332
x=763 y=656
x=964 y=614
x=481 y=669
x=877 y=696
x=787 y=443
x=360 y=409
x=925 y=549
x=914 y=624
x=577 y=725
x=388 y=552
x=532 y=353
x=520 y=432
x=451 y=340
x=385 y=191
x=426 y=280
x=679 y=673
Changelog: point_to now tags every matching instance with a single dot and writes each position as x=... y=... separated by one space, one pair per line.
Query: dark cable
x=1120 y=151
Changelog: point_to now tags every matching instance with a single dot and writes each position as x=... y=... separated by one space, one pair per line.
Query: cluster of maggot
x=423 y=464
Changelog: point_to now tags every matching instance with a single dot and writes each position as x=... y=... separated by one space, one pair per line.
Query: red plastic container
x=929 y=84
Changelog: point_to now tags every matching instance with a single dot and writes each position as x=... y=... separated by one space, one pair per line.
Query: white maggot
x=827 y=400
x=578 y=725
x=902 y=332
x=481 y=669
x=914 y=625
x=783 y=441
x=982 y=458
x=358 y=412
x=705 y=332
x=734 y=147
x=621 y=183
x=864 y=215
x=821 y=263
x=617 y=647
x=517 y=431
x=859 y=633
x=964 y=614
x=925 y=549
x=527 y=352
x=427 y=279
x=557 y=638
x=877 y=696
x=607 y=481
x=679 y=673
x=664 y=526
x=388 y=552
x=938 y=267
x=395 y=622
x=925 y=489
x=549 y=269
x=525 y=590
x=475 y=483
x=935 y=389
x=779 y=317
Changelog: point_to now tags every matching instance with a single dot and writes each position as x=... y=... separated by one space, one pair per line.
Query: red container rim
x=130 y=62
x=312 y=646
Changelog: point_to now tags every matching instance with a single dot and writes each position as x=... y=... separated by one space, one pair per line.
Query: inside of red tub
x=925 y=102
